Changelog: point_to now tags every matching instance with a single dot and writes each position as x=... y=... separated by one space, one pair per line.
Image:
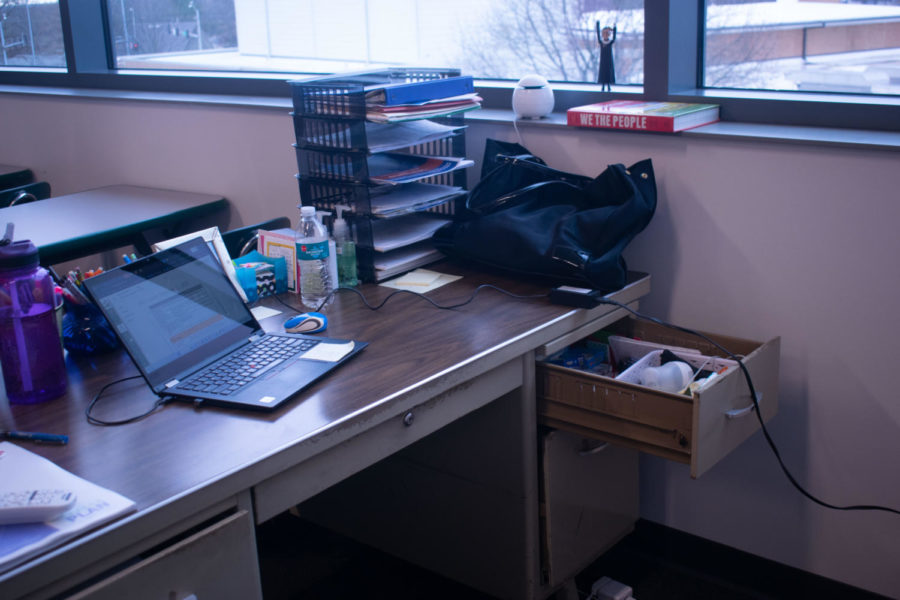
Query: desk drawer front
x=698 y=430
x=217 y=562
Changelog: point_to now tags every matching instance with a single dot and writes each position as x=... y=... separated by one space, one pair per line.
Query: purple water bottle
x=30 y=353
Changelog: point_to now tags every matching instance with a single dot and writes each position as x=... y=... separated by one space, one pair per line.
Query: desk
x=77 y=225
x=184 y=467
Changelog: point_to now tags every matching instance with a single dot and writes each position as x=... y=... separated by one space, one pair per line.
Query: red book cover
x=642 y=116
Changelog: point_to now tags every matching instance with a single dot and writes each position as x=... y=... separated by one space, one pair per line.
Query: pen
x=40 y=438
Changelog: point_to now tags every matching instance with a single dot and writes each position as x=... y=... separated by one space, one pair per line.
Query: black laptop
x=192 y=337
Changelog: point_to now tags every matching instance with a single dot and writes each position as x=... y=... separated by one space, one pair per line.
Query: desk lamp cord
x=753 y=397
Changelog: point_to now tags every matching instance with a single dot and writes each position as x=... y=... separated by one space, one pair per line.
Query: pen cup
x=86 y=331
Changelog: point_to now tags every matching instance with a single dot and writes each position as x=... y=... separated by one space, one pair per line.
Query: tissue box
x=261 y=276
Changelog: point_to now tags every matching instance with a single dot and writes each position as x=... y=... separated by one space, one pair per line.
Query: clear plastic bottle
x=30 y=352
x=346 y=250
x=312 y=259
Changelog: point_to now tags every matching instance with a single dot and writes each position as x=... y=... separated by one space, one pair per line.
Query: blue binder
x=417 y=92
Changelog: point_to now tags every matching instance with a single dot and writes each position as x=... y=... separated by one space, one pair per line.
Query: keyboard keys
x=257 y=359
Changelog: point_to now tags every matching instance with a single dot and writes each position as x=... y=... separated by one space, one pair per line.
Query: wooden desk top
x=76 y=225
x=414 y=352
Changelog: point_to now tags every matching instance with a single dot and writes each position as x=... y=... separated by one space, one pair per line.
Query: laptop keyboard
x=257 y=359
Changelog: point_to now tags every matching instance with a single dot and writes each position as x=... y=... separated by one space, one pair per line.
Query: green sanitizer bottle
x=346 y=249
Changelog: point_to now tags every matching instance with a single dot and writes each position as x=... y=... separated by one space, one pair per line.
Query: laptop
x=193 y=338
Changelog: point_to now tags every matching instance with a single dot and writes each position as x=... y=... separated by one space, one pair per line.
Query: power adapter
x=575 y=296
x=610 y=589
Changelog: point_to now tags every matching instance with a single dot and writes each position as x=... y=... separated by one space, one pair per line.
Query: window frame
x=673 y=70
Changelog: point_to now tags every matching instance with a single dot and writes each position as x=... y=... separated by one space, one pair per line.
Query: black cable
x=278 y=297
x=95 y=421
x=426 y=298
x=753 y=397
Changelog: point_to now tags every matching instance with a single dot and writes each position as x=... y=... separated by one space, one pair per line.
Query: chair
x=242 y=240
x=24 y=193
x=11 y=177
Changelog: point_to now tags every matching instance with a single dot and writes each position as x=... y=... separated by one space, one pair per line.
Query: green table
x=78 y=225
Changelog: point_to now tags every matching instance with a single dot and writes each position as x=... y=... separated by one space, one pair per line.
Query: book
x=21 y=469
x=274 y=244
x=416 y=92
x=642 y=116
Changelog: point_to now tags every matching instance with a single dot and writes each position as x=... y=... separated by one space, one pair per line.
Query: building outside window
x=31 y=34
x=827 y=46
x=847 y=47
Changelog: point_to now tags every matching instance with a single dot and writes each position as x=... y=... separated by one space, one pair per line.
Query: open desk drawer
x=698 y=430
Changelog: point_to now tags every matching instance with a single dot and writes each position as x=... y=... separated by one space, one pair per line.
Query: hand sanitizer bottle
x=346 y=249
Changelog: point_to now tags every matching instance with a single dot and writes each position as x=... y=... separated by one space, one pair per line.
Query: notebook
x=179 y=317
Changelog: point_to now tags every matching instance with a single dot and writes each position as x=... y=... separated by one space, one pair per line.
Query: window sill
x=820 y=136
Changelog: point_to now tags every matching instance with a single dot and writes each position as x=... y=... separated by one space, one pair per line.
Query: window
x=851 y=46
x=31 y=34
x=808 y=62
x=503 y=39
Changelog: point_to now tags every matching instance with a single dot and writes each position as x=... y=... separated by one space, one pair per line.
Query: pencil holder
x=86 y=331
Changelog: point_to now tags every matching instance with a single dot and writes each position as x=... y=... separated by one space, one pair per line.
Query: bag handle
x=529 y=162
x=522 y=193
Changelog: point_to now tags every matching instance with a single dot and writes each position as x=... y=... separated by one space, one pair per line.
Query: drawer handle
x=595 y=450
x=743 y=412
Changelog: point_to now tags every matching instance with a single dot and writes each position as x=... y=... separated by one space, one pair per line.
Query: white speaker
x=532 y=98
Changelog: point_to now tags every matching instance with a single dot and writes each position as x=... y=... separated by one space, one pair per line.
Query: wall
x=751 y=239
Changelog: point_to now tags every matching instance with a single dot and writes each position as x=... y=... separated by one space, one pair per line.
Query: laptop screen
x=175 y=311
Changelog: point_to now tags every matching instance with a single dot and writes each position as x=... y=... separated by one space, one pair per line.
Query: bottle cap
x=307 y=211
x=16 y=255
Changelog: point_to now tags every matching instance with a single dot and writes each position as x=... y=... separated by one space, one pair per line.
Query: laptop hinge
x=172 y=384
x=256 y=338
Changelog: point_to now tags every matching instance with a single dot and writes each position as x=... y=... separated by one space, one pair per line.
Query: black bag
x=530 y=219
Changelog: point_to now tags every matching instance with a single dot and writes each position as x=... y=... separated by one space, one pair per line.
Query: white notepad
x=21 y=469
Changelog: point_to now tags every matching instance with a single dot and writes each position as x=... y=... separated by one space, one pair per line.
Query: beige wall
x=753 y=239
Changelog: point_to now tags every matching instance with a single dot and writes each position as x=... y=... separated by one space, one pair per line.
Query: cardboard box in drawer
x=698 y=429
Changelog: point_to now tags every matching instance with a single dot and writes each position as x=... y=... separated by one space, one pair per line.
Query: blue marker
x=41 y=438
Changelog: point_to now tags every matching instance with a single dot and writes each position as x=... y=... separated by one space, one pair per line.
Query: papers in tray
x=390 y=234
x=405 y=259
x=24 y=470
x=395 y=167
x=381 y=138
x=436 y=108
x=412 y=197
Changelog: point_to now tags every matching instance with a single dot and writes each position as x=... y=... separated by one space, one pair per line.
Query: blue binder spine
x=417 y=92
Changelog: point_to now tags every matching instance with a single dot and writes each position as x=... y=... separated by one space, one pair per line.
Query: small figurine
x=607 y=75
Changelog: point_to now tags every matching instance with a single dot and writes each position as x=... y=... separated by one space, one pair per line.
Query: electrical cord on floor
x=753 y=397
x=95 y=421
